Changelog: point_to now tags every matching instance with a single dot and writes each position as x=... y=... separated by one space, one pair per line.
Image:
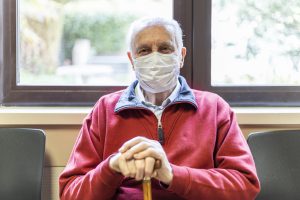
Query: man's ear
x=130 y=58
x=183 y=54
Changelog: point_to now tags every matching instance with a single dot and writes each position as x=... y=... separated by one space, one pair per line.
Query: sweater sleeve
x=234 y=175
x=87 y=175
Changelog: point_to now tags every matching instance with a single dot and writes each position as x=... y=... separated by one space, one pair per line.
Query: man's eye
x=143 y=52
x=166 y=50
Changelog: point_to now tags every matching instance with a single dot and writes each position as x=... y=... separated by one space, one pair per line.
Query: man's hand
x=140 y=148
x=134 y=168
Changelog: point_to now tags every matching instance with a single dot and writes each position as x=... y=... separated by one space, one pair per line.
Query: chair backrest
x=21 y=163
x=277 y=158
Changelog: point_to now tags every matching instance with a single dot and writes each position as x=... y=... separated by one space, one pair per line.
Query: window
x=257 y=41
x=50 y=61
x=79 y=43
x=246 y=51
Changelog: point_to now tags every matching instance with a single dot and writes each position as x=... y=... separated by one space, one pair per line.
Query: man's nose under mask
x=157 y=72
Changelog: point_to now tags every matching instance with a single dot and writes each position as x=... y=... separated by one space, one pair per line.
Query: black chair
x=277 y=159
x=21 y=163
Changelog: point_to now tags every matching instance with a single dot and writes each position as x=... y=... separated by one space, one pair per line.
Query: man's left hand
x=141 y=148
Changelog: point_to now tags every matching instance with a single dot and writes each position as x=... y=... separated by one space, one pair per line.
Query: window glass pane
x=79 y=42
x=255 y=42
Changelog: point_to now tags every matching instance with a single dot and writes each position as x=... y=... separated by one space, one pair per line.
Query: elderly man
x=158 y=120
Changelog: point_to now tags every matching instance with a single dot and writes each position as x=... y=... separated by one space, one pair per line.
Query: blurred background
x=83 y=42
x=255 y=43
x=79 y=42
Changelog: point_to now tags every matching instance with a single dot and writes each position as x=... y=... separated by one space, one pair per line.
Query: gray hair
x=139 y=25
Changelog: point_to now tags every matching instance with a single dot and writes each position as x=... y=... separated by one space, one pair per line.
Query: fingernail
x=136 y=155
x=154 y=174
x=127 y=156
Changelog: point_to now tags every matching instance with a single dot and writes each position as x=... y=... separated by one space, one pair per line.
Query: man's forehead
x=157 y=34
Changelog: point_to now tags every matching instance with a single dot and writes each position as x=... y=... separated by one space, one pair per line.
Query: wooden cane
x=147 y=190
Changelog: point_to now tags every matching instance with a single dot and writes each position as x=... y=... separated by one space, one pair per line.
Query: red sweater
x=204 y=144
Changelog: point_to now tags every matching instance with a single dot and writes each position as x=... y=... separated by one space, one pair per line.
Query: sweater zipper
x=160 y=133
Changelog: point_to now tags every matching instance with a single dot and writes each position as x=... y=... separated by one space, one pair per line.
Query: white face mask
x=157 y=72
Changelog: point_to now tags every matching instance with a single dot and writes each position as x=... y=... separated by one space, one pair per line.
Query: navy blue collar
x=128 y=99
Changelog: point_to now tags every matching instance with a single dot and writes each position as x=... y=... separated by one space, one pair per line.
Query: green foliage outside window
x=260 y=41
x=107 y=33
x=48 y=28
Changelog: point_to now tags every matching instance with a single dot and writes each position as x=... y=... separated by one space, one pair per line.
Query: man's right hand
x=137 y=169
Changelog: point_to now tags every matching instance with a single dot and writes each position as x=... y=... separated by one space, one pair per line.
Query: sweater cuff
x=108 y=176
x=181 y=180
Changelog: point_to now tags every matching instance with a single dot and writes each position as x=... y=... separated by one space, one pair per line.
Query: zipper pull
x=160 y=132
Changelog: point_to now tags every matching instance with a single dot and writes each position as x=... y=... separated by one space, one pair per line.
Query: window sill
x=75 y=115
x=268 y=115
x=43 y=115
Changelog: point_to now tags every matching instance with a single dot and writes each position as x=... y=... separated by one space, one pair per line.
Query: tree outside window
x=82 y=42
x=255 y=43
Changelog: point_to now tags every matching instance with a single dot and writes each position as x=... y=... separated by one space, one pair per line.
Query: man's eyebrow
x=166 y=44
x=142 y=46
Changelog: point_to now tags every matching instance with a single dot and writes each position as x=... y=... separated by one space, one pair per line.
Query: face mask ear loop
x=181 y=62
